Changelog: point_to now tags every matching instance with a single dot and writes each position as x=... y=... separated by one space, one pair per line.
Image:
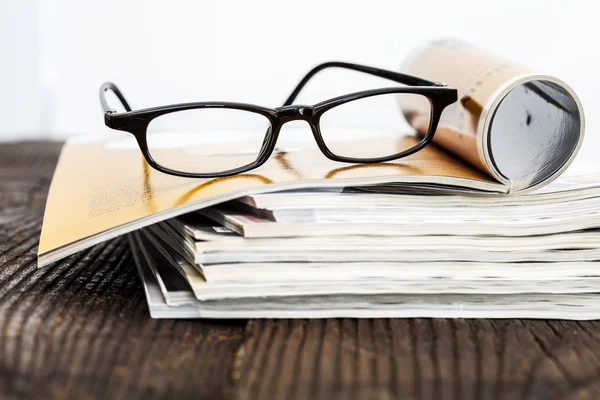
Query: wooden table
x=81 y=329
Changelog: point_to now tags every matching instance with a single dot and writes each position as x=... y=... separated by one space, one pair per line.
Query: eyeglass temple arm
x=382 y=73
x=113 y=88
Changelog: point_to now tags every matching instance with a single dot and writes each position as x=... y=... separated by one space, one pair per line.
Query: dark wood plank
x=421 y=358
x=81 y=329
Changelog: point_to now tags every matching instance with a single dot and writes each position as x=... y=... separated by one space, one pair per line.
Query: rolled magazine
x=520 y=126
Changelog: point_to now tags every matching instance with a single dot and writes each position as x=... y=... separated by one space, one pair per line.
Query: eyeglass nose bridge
x=294 y=113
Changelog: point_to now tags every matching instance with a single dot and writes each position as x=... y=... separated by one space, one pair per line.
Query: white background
x=56 y=53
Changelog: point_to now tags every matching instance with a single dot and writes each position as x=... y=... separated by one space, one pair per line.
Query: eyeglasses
x=215 y=139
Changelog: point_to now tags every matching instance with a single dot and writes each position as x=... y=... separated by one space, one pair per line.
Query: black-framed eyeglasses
x=215 y=139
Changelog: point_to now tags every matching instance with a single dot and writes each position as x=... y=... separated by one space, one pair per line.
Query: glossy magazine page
x=103 y=188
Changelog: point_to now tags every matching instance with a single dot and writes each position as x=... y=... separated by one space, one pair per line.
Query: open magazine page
x=574 y=205
x=568 y=204
x=103 y=187
x=580 y=182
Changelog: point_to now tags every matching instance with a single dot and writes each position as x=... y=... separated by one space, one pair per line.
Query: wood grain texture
x=80 y=329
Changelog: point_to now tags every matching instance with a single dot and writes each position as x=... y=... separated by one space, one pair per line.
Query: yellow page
x=103 y=184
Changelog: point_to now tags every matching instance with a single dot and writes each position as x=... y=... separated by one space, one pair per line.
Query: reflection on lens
x=206 y=140
x=379 y=126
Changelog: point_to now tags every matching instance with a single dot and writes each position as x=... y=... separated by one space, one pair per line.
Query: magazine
x=89 y=203
x=232 y=303
x=512 y=131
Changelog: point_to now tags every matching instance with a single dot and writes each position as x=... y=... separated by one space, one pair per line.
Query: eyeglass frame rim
x=136 y=122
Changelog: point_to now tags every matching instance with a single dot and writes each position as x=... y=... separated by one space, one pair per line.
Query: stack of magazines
x=445 y=243
x=325 y=253
x=425 y=239
x=492 y=219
